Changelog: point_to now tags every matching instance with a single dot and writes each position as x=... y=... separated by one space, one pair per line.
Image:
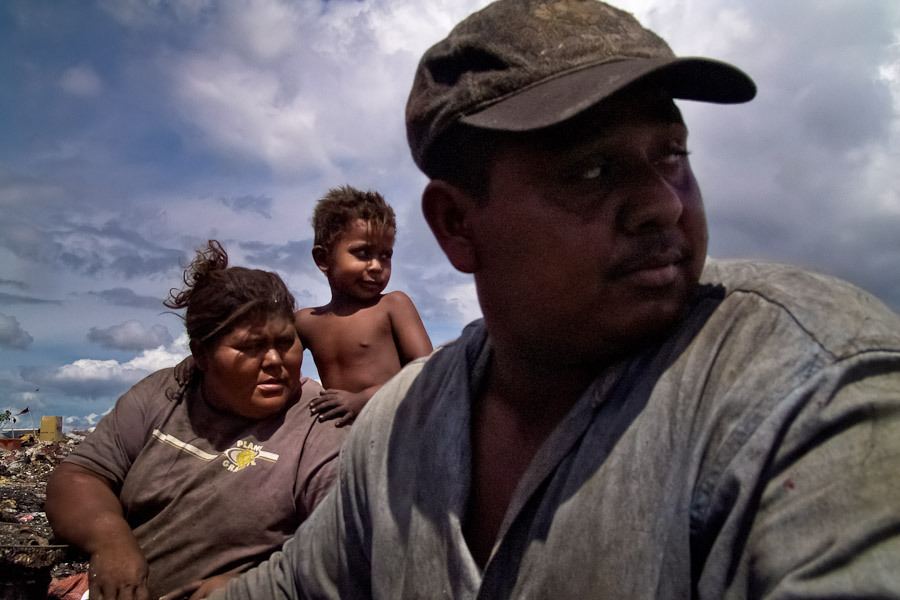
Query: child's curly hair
x=341 y=206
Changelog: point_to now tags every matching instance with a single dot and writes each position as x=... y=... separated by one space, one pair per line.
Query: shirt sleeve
x=820 y=519
x=318 y=466
x=113 y=446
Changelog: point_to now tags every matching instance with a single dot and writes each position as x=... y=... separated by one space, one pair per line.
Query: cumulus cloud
x=131 y=335
x=240 y=84
x=81 y=80
x=12 y=335
x=83 y=422
x=98 y=379
x=80 y=423
x=87 y=378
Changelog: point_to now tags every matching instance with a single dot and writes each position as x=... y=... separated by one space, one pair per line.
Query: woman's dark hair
x=217 y=297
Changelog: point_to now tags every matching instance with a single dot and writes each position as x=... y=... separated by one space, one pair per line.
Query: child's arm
x=409 y=333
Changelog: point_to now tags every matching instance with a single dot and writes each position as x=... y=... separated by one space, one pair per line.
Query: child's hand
x=338 y=404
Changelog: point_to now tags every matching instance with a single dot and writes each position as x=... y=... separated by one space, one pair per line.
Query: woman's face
x=254 y=369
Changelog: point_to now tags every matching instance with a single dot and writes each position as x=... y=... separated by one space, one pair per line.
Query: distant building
x=17 y=432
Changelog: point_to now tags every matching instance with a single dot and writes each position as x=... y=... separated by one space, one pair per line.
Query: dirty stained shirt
x=754 y=453
x=205 y=491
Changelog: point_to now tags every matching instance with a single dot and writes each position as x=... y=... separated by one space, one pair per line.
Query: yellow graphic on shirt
x=244 y=458
x=243 y=454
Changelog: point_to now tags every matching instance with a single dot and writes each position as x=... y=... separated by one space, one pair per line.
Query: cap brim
x=554 y=100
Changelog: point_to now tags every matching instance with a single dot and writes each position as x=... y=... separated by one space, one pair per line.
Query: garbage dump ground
x=29 y=554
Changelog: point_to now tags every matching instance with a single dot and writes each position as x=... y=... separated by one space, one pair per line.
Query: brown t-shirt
x=205 y=491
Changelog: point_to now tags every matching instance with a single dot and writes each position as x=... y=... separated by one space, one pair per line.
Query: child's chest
x=354 y=336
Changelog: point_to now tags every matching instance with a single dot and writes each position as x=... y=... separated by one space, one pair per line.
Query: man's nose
x=651 y=202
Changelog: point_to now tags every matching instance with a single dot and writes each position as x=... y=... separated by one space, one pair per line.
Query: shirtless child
x=362 y=337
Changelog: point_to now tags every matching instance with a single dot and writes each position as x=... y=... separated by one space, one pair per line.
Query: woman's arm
x=85 y=511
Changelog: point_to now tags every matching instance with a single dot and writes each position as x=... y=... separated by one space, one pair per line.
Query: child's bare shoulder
x=306 y=317
x=396 y=298
x=396 y=302
x=399 y=305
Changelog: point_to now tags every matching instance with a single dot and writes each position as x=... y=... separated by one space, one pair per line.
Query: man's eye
x=592 y=171
x=674 y=154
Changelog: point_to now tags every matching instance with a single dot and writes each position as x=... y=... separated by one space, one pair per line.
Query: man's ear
x=448 y=211
x=199 y=354
x=320 y=255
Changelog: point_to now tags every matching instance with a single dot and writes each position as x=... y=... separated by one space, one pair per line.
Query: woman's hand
x=119 y=571
x=84 y=510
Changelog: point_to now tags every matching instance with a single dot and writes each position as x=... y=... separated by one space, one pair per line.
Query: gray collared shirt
x=754 y=453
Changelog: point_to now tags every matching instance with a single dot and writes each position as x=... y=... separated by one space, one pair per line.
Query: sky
x=131 y=131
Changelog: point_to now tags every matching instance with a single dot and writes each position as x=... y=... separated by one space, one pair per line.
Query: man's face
x=592 y=236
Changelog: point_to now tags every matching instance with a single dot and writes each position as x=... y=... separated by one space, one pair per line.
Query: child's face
x=359 y=264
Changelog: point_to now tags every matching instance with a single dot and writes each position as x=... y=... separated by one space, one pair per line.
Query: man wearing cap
x=630 y=419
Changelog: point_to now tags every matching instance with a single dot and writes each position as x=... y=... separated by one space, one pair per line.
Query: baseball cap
x=523 y=65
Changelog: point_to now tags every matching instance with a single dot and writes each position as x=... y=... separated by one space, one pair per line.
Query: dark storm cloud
x=126 y=297
x=805 y=172
x=12 y=335
x=12 y=283
x=261 y=205
x=131 y=335
x=6 y=299
x=875 y=239
x=109 y=249
x=847 y=112
x=26 y=241
x=119 y=250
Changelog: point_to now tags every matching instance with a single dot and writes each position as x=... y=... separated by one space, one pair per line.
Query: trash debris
x=29 y=554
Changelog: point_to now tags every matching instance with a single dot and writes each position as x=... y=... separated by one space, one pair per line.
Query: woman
x=202 y=470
